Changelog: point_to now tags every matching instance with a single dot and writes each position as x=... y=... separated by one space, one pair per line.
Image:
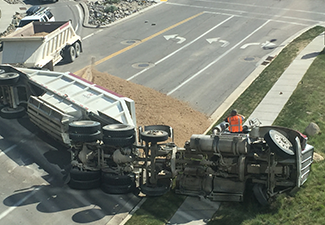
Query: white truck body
x=39 y=44
x=62 y=98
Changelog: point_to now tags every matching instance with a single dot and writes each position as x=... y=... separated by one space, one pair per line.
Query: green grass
x=157 y=210
x=305 y=105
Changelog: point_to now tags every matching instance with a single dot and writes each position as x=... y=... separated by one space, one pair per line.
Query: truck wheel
x=84 y=185
x=279 y=144
x=8 y=78
x=77 y=174
x=154 y=135
x=118 y=180
x=85 y=137
x=118 y=184
x=84 y=127
x=119 y=141
x=260 y=194
x=12 y=113
x=71 y=54
x=154 y=191
x=118 y=130
x=78 y=48
x=117 y=189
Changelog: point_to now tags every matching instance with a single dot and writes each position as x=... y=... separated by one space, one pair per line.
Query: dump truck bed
x=38 y=43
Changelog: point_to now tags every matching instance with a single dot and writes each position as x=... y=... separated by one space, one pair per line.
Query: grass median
x=305 y=105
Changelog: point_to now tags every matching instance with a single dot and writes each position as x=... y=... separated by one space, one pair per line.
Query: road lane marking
x=175 y=36
x=263 y=7
x=249 y=44
x=216 y=60
x=240 y=13
x=143 y=40
x=88 y=36
x=185 y=46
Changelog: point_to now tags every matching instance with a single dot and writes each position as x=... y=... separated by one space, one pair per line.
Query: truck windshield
x=25 y=22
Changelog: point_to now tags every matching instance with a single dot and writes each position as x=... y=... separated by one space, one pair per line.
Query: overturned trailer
x=109 y=151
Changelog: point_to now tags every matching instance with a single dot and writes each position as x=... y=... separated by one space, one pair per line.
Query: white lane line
x=274 y=20
x=249 y=14
x=216 y=60
x=263 y=7
x=88 y=36
x=173 y=53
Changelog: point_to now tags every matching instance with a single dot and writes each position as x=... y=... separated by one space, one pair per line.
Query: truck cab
x=41 y=15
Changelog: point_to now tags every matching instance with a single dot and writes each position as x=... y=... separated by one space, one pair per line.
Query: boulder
x=317 y=157
x=312 y=129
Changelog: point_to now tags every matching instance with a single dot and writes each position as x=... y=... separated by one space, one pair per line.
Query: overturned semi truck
x=109 y=151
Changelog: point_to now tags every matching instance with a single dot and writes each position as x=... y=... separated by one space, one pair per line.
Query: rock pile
x=104 y=12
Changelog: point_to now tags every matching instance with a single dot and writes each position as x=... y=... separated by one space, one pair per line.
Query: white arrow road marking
x=225 y=43
x=268 y=45
x=172 y=36
x=175 y=36
x=211 y=40
x=249 y=44
x=181 y=40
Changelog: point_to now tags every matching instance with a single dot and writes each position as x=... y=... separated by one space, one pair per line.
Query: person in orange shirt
x=235 y=121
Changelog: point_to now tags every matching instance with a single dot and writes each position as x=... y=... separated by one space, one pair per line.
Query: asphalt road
x=196 y=51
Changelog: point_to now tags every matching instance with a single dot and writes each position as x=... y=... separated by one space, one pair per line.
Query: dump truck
x=110 y=152
x=41 y=45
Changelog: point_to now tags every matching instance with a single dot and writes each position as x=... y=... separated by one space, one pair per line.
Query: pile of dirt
x=153 y=107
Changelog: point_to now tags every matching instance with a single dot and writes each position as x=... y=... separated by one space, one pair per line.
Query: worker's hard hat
x=234 y=112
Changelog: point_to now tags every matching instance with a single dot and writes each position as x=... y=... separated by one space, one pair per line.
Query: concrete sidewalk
x=197 y=211
x=7 y=11
x=272 y=104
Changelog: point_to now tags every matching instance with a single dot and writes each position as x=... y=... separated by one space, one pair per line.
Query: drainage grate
x=143 y=65
x=130 y=42
x=249 y=59
x=269 y=58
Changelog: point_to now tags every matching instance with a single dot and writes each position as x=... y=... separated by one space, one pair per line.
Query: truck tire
x=119 y=141
x=70 y=54
x=118 y=130
x=8 y=78
x=260 y=194
x=84 y=185
x=85 y=137
x=279 y=144
x=154 y=191
x=154 y=136
x=77 y=174
x=12 y=113
x=77 y=48
x=84 y=127
x=117 y=180
x=117 y=189
x=118 y=184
